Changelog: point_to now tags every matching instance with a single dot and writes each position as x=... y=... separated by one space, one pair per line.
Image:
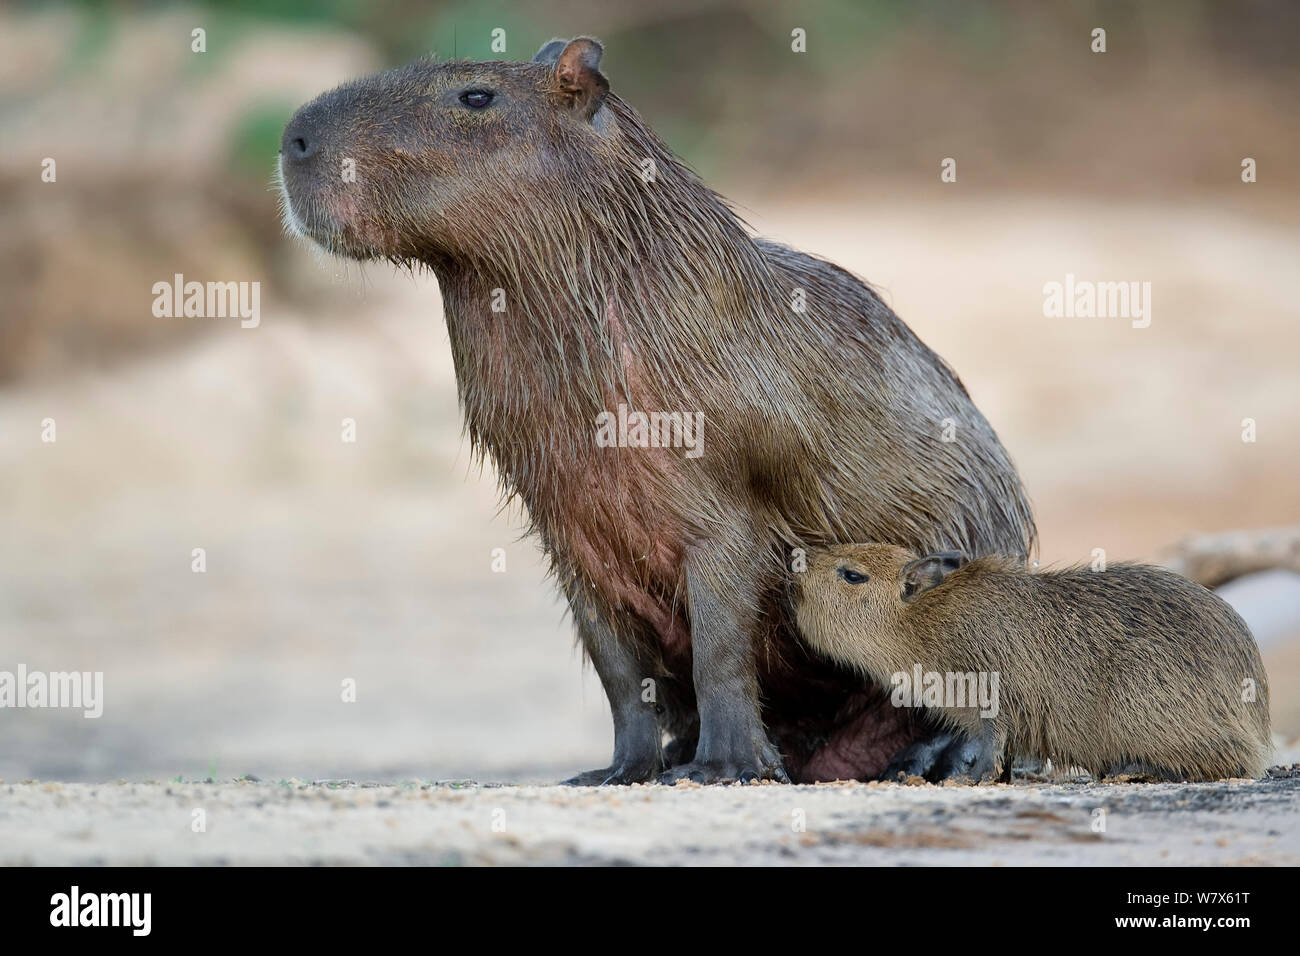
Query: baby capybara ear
x=921 y=575
x=579 y=84
x=550 y=52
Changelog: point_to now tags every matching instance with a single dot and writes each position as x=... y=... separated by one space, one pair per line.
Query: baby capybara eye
x=477 y=99
x=851 y=576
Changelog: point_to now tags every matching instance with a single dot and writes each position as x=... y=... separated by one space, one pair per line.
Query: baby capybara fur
x=583 y=267
x=1129 y=668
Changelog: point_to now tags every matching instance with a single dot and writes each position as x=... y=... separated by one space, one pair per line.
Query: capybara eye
x=851 y=576
x=477 y=99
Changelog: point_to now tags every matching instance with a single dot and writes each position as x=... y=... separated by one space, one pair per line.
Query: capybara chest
x=615 y=515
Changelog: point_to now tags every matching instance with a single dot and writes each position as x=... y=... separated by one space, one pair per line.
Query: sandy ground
x=1231 y=823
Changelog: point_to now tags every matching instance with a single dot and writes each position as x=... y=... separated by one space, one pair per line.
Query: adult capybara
x=1129 y=668
x=589 y=279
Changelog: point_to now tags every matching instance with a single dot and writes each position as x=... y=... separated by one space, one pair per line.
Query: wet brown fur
x=821 y=425
x=1131 y=666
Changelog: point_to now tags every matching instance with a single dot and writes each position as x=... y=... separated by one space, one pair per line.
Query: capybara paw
x=612 y=777
x=945 y=756
x=963 y=759
x=918 y=759
x=726 y=771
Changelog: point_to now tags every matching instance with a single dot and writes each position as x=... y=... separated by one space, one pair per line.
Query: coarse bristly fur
x=1131 y=666
x=627 y=280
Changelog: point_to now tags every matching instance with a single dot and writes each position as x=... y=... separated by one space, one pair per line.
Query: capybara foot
x=920 y=758
x=748 y=768
x=613 y=776
x=945 y=756
x=965 y=758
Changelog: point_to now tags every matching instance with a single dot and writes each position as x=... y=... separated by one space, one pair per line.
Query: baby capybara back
x=1133 y=667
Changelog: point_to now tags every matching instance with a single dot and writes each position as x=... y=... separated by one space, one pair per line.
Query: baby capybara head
x=430 y=159
x=853 y=589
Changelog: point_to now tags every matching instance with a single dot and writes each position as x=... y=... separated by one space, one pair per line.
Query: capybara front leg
x=733 y=744
x=638 y=753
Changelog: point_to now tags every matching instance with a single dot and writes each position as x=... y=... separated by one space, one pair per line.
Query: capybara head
x=427 y=160
x=854 y=589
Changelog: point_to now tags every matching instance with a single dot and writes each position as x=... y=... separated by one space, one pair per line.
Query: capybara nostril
x=299 y=144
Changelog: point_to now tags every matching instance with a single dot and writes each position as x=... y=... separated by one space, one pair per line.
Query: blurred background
x=372 y=561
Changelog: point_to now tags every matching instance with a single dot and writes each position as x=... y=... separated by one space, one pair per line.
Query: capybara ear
x=579 y=84
x=921 y=575
x=550 y=52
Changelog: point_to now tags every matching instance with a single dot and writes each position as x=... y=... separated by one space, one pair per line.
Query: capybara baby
x=595 y=288
x=1128 y=668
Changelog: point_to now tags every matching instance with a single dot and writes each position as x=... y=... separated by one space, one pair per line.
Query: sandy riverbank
x=465 y=823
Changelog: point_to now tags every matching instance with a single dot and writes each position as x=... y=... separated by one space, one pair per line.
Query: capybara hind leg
x=733 y=744
x=637 y=750
x=921 y=757
x=946 y=755
x=967 y=757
